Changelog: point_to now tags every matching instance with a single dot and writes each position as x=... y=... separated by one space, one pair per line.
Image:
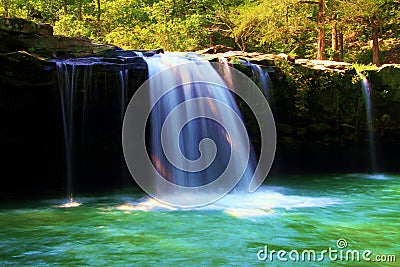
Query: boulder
x=387 y=81
x=24 y=26
x=21 y=35
x=392 y=56
x=324 y=65
x=215 y=49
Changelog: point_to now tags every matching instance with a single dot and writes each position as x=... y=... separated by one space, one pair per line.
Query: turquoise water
x=130 y=229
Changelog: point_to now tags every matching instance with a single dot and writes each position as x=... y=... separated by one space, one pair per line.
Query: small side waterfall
x=262 y=79
x=259 y=75
x=67 y=86
x=92 y=91
x=124 y=86
x=368 y=111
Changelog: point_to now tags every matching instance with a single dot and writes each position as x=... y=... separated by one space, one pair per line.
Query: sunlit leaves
x=271 y=26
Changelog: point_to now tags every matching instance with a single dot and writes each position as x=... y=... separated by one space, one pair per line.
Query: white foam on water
x=148 y=204
x=70 y=204
x=374 y=176
x=261 y=203
x=377 y=177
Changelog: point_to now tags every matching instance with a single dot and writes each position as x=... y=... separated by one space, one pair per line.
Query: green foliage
x=317 y=96
x=363 y=55
x=273 y=26
x=68 y=25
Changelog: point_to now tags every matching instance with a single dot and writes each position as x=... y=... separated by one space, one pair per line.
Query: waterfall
x=368 y=111
x=262 y=79
x=190 y=145
x=67 y=89
x=124 y=85
x=83 y=94
x=191 y=166
x=260 y=75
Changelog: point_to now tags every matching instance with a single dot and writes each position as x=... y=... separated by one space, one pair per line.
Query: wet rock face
x=385 y=84
x=320 y=114
x=31 y=114
x=32 y=144
x=23 y=69
x=387 y=79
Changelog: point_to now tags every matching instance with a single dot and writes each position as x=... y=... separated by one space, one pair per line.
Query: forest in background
x=358 y=31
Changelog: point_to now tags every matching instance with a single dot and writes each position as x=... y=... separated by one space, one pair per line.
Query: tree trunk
x=335 y=42
x=321 y=33
x=341 y=45
x=98 y=12
x=79 y=9
x=65 y=6
x=375 y=45
x=5 y=3
x=243 y=41
x=287 y=25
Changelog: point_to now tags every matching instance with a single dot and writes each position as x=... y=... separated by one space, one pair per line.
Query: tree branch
x=308 y=2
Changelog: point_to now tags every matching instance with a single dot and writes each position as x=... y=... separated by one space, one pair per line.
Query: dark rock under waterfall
x=319 y=111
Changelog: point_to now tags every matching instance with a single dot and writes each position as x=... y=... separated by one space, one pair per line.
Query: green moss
x=362 y=67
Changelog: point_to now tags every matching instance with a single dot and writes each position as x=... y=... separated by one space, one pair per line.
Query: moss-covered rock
x=387 y=81
x=24 y=26
x=21 y=35
x=393 y=56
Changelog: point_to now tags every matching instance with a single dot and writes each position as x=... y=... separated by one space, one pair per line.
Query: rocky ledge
x=26 y=47
x=19 y=25
x=21 y=35
x=220 y=51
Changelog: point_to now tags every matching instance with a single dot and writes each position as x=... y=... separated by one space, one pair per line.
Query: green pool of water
x=287 y=213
